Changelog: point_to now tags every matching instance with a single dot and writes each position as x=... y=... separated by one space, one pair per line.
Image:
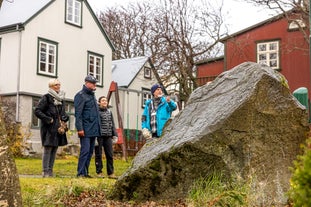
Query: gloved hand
x=146 y=133
x=114 y=140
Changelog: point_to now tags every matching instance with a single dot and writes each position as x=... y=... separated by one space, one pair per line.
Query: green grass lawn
x=38 y=191
x=65 y=166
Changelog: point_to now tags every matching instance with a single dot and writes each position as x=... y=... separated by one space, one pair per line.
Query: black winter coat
x=46 y=111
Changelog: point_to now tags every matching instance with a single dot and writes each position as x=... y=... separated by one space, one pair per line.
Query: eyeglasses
x=58 y=84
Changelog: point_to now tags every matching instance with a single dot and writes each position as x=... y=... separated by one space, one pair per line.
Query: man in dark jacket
x=87 y=123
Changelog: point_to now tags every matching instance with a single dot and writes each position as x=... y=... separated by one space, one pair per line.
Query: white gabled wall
x=131 y=101
x=73 y=45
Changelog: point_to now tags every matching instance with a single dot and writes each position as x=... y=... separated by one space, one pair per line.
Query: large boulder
x=10 y=192
x=245 y=124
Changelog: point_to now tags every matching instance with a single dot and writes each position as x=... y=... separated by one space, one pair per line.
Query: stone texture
x=10 y=192
x=245 y=124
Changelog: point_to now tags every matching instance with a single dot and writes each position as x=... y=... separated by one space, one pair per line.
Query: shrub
x=300 y=188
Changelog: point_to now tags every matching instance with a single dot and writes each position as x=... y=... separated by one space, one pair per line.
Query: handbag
x=63 y=128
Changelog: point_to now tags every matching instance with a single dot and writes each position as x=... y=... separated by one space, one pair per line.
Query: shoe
x=112 y=176
x=100 y=175
x=46 y=175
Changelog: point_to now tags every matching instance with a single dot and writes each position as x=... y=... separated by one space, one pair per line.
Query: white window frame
x=74 y=12
x=47 y=57
x=95 y=67
x=147 y=72
x=268 y=54
x=146 y=94
x=296 y=24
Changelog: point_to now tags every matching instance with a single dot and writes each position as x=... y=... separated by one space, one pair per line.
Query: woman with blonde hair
x=51 y=111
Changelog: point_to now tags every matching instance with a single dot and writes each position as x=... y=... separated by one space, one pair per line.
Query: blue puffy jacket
x=164 y=112
x=86 y=112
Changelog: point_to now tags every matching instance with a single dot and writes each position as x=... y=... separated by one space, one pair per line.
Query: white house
x=44 y=39
x=134 y=77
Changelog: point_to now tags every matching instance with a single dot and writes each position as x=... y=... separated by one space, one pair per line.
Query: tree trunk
x=10 y=192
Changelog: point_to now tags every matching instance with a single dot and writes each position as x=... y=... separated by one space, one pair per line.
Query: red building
x=280 y=42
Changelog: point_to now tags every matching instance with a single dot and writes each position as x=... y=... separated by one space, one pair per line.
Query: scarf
x=58 y=97
x=153 y=116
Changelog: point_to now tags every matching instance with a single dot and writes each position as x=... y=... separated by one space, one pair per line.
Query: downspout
x=18 y=74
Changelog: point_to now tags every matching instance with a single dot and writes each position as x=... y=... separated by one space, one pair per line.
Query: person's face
x=90 y=85
x=158 y=93
x=56 y=87
x=103 y=103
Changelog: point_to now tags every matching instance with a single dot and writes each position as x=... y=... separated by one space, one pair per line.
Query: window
x=34 y=119
x=73 y=12
x=268 y=54
x=71 y=113
x=294 y=25
x=147 y=72
x=145 y=96
x=95 y=67
x=47 y=57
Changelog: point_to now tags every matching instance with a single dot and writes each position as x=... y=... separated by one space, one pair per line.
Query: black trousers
x=106 y=143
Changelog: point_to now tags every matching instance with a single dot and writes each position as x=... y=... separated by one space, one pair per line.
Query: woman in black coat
x=51 y=111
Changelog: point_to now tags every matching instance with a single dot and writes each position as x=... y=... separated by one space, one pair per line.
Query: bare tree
x=174 y=33
x=128 y=29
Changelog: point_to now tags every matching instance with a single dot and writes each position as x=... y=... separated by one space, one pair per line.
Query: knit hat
x=154 y=88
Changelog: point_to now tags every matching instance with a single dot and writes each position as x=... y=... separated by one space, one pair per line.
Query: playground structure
x=130 y=140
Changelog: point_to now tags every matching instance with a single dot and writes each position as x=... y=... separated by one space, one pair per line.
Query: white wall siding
x=9 y=62
x=73 y=45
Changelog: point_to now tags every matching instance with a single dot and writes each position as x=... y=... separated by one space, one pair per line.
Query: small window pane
x=262 y=48
x=273 y=63
x=273 y=46
x=273 y=56
x=262 y=57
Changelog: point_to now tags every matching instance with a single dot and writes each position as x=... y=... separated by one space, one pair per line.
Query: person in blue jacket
x=87 y=123
x=157 y=112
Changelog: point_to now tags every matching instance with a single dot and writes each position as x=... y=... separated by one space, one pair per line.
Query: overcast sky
x=240 y=14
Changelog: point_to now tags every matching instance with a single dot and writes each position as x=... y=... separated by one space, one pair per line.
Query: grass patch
x=38 y=191
x=216 y=191
x=66 y=166
x=51 y=191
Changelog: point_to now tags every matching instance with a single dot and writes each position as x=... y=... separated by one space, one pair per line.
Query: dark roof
x=209 y=60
